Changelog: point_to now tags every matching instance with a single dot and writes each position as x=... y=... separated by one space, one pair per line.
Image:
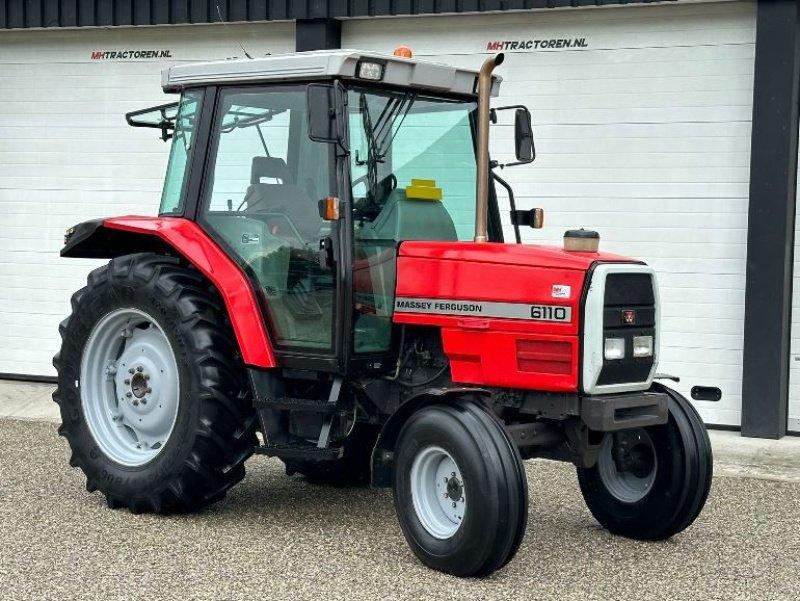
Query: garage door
x=66 y=155
x=794 y=358
x=642 y=122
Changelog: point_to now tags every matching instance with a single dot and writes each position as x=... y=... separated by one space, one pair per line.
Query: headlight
x=642 y=346
x=373 y=71
x=614 y=348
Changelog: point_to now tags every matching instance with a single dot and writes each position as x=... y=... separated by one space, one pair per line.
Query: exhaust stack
x=482 y=192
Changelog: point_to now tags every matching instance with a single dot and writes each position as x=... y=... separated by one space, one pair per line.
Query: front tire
x=652 y=483
x=460 y=489
x=153 y=399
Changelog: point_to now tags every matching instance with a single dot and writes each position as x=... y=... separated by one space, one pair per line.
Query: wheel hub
x=438 y=492
x=627 y=465
x=139 y=385
x=129 y=386
x=454 y=488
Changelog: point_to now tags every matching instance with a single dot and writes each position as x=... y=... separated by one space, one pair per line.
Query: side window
x=172 y=195
x=266 y=177
x=240 y=147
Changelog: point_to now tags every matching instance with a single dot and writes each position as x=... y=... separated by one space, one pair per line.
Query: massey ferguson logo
x=520 y=45
x=629 y=317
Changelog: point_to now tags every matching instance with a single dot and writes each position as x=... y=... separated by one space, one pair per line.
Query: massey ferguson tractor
x=327 y=283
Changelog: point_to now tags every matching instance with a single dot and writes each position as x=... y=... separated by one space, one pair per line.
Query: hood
x=548 y=257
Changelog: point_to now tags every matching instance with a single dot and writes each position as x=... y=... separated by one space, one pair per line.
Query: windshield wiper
x=378 y=137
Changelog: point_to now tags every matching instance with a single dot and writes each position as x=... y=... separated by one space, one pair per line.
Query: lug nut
x=148 y=391
x=135 y=403
x=144 y=401
x=454 y=505
x=147 y=376
x=130 y=371
x=127 y=380
x=129 y=394
x=139 y=368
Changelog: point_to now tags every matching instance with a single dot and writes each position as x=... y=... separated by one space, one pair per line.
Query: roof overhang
x=322 y=65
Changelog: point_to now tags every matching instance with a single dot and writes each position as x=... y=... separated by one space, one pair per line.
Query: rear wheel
x=460 y=489
x=651 y=483
x=153 y=399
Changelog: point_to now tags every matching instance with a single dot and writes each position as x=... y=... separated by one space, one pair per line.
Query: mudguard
x=382 y=454
x=108 y=238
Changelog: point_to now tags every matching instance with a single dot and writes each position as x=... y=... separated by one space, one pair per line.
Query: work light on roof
x=370 y=70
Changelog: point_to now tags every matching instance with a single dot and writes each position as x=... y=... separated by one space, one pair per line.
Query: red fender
x=200 y=250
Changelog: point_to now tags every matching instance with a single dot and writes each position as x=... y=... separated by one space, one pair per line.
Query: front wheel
x=651 y=483
x=460 y=489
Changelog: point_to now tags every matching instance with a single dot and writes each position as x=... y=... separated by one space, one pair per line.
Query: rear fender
x=109 y=238
x=383 y=453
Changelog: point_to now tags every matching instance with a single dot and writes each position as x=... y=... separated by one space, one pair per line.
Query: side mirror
x=321 y=110
x=523 y=136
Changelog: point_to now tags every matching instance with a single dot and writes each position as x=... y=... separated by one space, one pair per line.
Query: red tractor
x=327 y=283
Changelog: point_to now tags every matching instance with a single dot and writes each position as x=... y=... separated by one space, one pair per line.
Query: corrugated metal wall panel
x=18 y=14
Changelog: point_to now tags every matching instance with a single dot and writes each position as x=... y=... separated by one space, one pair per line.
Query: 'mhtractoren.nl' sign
x=104 y=55
x=549 y=44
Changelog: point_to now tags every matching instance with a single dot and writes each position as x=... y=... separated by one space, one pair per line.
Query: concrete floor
x=276 y=537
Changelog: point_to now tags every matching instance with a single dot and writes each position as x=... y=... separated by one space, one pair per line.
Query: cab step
x=300 y=450
x=298 y=404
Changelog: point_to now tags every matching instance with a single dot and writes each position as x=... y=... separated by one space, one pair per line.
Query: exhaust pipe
x=482 y=192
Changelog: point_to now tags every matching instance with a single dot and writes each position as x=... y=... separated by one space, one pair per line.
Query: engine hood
x=531 y=255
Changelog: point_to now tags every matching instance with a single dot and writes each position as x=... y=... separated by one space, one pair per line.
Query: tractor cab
x=310 y=170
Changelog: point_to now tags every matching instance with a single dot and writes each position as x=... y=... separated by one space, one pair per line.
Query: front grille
x=629 y=310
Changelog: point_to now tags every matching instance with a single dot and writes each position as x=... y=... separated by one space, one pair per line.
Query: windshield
x=412 y=165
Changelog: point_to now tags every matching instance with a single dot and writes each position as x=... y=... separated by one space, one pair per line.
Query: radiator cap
x=581 y=240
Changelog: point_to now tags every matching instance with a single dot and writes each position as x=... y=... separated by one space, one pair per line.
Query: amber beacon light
x=403 y=51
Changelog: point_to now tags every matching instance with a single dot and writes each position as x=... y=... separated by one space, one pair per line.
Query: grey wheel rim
x=628 y=485
x=437 y=492
x=129 y=387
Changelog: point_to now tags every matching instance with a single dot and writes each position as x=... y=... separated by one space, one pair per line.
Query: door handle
x=326 y=253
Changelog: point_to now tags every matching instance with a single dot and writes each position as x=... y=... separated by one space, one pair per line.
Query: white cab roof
x=324 y=64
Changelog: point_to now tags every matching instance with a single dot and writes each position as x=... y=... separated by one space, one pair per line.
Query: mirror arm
x=512 y=203
x=515 y=163
x=341 y=117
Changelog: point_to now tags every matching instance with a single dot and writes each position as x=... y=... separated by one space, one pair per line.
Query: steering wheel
x=389 y=181
x=369 y=209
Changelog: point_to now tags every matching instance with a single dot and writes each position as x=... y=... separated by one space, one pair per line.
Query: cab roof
x=325 y=64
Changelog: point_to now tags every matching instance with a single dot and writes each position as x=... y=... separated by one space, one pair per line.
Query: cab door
x=263 y=181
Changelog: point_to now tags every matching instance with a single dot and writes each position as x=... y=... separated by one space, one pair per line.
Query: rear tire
x=460 y=489
x=665 y=493
x=172 y=324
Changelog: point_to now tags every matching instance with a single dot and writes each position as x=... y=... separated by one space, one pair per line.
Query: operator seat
x=281 y=198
